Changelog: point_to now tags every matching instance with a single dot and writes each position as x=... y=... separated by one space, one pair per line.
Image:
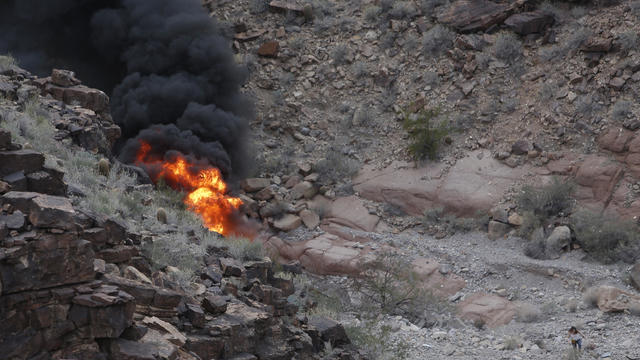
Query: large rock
x=615 y=139
x=49 y=211
x=287 y=223
x=20 y=160
x=612 y=299
x=475 y=183
x=310 y=219
x=559 y=240
x=330 y=331
x=46 y=183
x=350 y=211
x=491 y=310
x=599 y=175
x=103 y=314
x=497 y=229
x=45 y=260
x=254 y=184
x=86 y=97
x=474 y=15
x=530 y=22
x=428 y=271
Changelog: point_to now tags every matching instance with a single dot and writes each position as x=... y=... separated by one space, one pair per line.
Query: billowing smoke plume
x=171 y=74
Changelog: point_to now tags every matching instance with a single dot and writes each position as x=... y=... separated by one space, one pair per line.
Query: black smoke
x=169 y=69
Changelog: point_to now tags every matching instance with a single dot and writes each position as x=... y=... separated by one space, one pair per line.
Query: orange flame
x=206 y=190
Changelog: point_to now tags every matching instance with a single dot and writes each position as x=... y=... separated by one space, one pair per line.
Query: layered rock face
x=75 y=285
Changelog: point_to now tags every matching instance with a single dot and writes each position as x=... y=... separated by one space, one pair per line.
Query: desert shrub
x=258 y=6
x=387 y=40
x=512 y=342
x=621 y=110
x=372 y=13
x=427 y=6
x=437 y=40
x=432 y=216
x=578 y=12
x=6 y=62
x=388 y=98
x=410 y=43
x=336 y=166
x=245 y=249
x=323 y=24
x=175 y=249
x=605 y=238
x=550 y=308
x=360 y=69
x=389 y=285
x=586 y=106
x=576 y=39
x=507 y=47
x=528 y=313
x=403 y=9
x=426 y=130
x=628 y=41
x=375 y=339
x=296 y=43
x=286 y=79
x=364 y=116
x=339 y=54
x=547 y=201
x=386 y=5
x=547 y=91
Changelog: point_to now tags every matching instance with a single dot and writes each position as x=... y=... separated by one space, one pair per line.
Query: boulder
x=310 y=219
x=20 y=160
x=132 y=273
x=231 y=267
x=46 y=260
x=287 y=223
x=330 y=331
x=615 y=139
x=492 y=310
x=170 y=333
x=499 y=213
x=432 y=279
x=474 y=15
x=530 y=22
x=17 y=181
x=520 y=147
x=43 y=182
x=559 y=239
x=612 y=299
x=303 y=189
x=103 y=315
x=475 y=183
x=49 y=211
x=254 y=184
x=195 y=314
x=15 y=221
x=634 y=275
x=269 y=49
x=118 y=254
x=64 y=78
x=599 y=175
x=350 y=211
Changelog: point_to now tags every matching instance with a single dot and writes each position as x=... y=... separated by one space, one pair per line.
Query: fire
x=205 y=188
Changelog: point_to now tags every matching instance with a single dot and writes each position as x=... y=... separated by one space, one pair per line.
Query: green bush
x=547 y=201
x=245 y=249
x=389 y=285
x=426 y=132
x=6 y=62
x=336 y=166
x=437 y=40
x=507 y=47
x=605 y=238
x=375 y=340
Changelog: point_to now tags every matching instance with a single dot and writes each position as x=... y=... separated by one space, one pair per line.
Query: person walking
x=575 y=337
